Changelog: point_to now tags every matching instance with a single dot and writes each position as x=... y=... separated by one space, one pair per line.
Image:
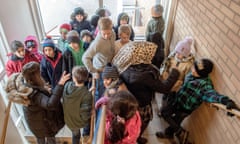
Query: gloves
x=230 y=104
x=102 y=101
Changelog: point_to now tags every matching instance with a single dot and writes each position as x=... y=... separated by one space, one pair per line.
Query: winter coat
x=184 y=66
x=118 y=25
x=44 y=115
x=51 y=69
x=155 y=25
x=38 y=54
x=142 y=80
x=79 y=26
x=78 y=99
x=132 y=129
x=68 y=59
x=15 y=64
x=62 y=44
x=99 y=53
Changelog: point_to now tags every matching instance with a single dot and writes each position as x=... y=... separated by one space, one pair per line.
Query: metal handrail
x=5 y=124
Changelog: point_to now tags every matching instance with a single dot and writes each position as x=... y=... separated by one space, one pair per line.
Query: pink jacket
x=35 y=51
x=132 y=129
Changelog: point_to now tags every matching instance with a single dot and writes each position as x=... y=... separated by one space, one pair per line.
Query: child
x=124 y=35
x=51 y=64
x=43 y=113
x=18 y=58
x=160 y=53
x=62 y=41
x=196 y=88
x=123 y=19
x=156 y=24
x=80 y=20
x=94 y=23
x=31 y=44
x=100 y=52
x=77 y=97
x=123 y=121
x=86 y=38
x=73 y=54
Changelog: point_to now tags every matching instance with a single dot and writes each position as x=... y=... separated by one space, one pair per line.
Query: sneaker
x=163 y=135
x=142 y=140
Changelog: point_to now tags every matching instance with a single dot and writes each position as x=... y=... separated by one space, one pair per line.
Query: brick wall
x=215 y=27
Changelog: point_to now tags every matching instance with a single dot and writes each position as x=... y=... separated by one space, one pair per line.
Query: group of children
x=125 y=76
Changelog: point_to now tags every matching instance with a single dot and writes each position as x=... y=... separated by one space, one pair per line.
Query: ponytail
x=116 y=130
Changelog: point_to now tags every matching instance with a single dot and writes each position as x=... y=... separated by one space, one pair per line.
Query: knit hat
x=65 y=26
x=73 y=39
x=86 y=32
x=110 y=71
x=48 y=42
x=203 y=67
x=15 y=45
x=184 y=47
x=157 y=11
x=72 y=33
x=78 y=11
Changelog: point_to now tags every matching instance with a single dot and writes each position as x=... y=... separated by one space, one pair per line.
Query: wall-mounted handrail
x=223 y=107
x=5 y=123
x=101 y=128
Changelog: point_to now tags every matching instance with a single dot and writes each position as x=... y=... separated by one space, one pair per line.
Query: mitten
x=102 y=101
x=231 y=105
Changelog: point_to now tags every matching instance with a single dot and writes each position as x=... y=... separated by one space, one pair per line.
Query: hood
x=185 y=60
x=33 y=38
x=70 y=90
x=119 y=18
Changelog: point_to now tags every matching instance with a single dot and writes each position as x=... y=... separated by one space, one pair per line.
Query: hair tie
x=120 y=119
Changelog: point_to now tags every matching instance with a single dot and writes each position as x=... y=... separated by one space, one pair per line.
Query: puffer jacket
x=78 y=99
x=51 y=69
x=15 y=64
x=79 y=26
x=35 y=51
x=142 y=80
x=44 y=115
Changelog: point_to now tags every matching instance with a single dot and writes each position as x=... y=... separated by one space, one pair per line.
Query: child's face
x=179 y=56
x=107 y=82
x=106 y=34
x=74 y=45
x=20 y=52
x=194 y=72
x=48 y=51
x=124 y=38
x=87 y=39
x=63 y=33
x=79 y=18
x=123 y=21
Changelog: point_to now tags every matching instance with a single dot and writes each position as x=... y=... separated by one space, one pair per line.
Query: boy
x=18 y=58
x=196 y=88
x=100 y=52
x=124 y=35
x=87 y=38
x=62 y=41
x=156 y=24
x=73 y=54
x=77 y=97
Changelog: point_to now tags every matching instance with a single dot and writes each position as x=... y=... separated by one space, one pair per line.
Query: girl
x=31 y=44
x=123 y=121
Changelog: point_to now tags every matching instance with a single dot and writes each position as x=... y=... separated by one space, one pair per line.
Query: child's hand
x=64 y=78
x=102 y=101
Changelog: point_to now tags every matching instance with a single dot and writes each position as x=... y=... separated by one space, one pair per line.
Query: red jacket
x=132 y=129
x=15 y=64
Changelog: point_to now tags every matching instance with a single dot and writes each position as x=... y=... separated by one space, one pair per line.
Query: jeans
x=46 y=140
x=76 y=135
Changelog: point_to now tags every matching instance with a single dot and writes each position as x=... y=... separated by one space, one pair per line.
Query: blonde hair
x=125 y=28
x=105 y=23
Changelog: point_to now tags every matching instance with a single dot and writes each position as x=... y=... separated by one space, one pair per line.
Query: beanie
x=48 y=42
x=78 y=11
x=73 y=39
x=66 y=26
x=15 y=45
x=72 y=33
x=157 y=11
x=110 y=71
x=184 y=47
x=203 y=67
x=86 y=32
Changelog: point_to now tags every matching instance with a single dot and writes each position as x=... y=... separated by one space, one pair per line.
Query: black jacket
x=142 y=81
x=79 y=26
x=44 y=115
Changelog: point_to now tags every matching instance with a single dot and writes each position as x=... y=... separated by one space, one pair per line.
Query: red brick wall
x=215 y=27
